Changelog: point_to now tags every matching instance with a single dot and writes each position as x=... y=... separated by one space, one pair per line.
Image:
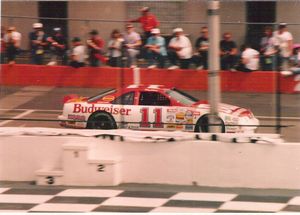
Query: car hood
x=74 y=98
x=223 y=108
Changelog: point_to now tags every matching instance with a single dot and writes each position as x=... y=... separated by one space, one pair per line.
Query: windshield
x=99 y=96
x=181 y=96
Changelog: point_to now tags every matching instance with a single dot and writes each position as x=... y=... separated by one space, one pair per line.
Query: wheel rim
x=202 y=125
x=102 y=121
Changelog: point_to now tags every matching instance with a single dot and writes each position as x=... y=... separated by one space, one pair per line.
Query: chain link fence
x=269 y=105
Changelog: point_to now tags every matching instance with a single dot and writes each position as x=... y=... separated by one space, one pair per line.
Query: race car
x=152 y=107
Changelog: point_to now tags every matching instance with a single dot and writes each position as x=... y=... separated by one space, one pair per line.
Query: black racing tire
x=202 y=125
x=101 y=120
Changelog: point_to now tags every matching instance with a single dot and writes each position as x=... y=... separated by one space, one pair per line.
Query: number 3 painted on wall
x=157 y=118
x=50 y=180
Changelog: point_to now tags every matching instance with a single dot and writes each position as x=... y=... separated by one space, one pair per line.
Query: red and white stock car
x=151 y=107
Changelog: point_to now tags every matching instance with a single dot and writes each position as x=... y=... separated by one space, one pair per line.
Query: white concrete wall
x=204 y=163
x=20 y=156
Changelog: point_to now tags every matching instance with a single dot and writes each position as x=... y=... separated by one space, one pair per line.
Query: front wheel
x=101 y=120
x=202 y=125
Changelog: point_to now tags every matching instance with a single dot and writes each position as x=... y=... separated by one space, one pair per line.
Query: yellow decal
x=108 y=98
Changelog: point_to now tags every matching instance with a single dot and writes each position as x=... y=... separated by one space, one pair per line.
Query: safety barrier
x=94 y=158
x=106 y=77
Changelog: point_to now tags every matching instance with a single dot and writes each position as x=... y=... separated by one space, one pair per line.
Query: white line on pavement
x=274 y=117
x=17 y=117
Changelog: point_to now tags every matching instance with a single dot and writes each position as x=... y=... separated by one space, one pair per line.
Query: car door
x=125 y=109
x=153 y=111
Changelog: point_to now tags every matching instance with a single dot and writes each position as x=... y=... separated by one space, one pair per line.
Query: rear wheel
x=202 y=125
x=101 y=120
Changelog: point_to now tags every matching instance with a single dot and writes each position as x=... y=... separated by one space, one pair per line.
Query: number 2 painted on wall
x=157 y=118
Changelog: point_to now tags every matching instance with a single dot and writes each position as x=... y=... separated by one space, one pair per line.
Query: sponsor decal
x=76 y=117
x=189 y=127
x=78 y=108
x=171 y=110
x=227 y=118
x=189 y=115
x=189 y=120
x=108 y=98
x=170 y=120
x=196 y=113
x=231 y=120
x=180 y=119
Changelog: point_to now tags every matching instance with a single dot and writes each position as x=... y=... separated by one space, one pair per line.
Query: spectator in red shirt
x=148 y=22
x=95 y=45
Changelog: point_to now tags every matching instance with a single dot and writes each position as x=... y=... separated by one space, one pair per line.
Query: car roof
x=147 y=87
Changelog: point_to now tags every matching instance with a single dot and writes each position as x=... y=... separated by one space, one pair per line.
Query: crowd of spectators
x=277 y=51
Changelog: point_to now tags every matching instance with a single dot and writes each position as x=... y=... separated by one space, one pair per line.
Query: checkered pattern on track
x=108 y=200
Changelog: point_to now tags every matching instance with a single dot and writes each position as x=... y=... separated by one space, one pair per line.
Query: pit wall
x=82 y=161
x=107 y=77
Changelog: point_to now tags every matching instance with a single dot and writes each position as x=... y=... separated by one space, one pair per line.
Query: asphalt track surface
x=46 y=103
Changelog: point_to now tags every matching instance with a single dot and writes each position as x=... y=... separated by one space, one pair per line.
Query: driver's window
x=153 y=99
x=125 y=99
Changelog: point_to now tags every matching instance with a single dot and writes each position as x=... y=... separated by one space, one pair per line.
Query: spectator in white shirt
x=180 y=49
x=78 y=54
x=284 y=41
x=115 y=46
x=12 y=41
x=249 y=60
x=132 y=44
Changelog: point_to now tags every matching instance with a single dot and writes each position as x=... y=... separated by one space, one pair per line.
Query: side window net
x=153 y=99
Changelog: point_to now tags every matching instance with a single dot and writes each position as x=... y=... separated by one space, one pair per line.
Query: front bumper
x=67 y=123
x=248 y=125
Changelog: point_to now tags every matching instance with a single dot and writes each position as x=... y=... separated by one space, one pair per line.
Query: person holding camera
x=38 y=43
x=58 y=47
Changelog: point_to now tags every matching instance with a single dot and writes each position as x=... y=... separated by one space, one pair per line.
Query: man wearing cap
x=78 y=53
x=38 y=43
x=132 y=44
x=95 y=45
x=284 y=42
x=180 y=48
x=12 y=41
x=58 y=47
x=148 y=22
x=156 y=47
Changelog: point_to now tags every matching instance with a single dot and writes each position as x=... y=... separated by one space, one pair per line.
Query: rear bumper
x=63 y=122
